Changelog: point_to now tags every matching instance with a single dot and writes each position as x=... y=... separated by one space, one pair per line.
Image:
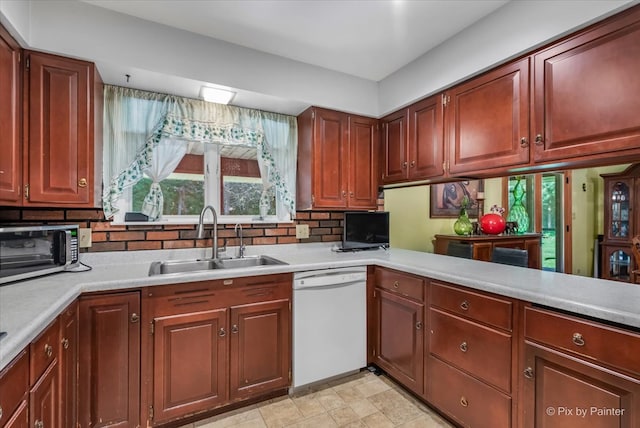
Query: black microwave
x=26 y=252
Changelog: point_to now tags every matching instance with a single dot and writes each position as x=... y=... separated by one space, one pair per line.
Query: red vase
x=493 y=224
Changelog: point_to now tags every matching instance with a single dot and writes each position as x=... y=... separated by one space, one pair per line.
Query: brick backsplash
x=323 y=227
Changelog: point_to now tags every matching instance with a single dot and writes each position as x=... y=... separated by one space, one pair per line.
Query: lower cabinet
x=109 y=360
x=213 y=343
x=399 y=347
x=69 y=333
x=44 y=399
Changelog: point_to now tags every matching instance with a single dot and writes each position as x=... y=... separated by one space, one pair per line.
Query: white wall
x=511 y=30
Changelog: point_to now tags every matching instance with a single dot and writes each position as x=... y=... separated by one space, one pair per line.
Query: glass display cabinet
x=621 y=223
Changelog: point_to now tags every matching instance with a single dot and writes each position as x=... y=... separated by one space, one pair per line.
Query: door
x=109 y=361
x=60 y=135
x=394 y=146
x=10 y=120
x=487 y=120
x=330 y=159
x=363 y=162
x=565 y=392
x=44 y=399
x=189 y=363
x=592 y=115
x=400 y=338
x=426 y=139
x=260 y=348
x=69 y=366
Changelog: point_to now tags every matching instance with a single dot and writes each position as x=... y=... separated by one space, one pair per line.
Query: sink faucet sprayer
x=200 y=230
x=241 y=248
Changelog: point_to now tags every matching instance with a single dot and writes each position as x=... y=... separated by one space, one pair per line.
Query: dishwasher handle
x=329 y=280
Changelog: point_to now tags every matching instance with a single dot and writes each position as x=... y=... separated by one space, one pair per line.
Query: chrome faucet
x=200 y=230
x=241 y=248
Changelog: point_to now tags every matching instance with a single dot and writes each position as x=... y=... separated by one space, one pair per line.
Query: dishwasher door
x=329 y=324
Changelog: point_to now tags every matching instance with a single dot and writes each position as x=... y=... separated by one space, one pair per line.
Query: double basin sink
x=188 y=266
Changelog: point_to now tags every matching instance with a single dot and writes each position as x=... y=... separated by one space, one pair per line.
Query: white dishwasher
x=329 y=323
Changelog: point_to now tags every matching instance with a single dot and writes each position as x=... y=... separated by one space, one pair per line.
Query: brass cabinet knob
x=65 y=343
x=419 y=325
x=539 y=140
x=524 y=142
x=234 y=329
x=577 y=339
x=528 y=373
x=82 y=182
x=395 y=284
x=135 y=317
x=464 y=305
x=413 y=164
x=38 y=424
x=464 y=402
x=222 y=332
x=404 y=165
x=48 y=350
x=464 y=347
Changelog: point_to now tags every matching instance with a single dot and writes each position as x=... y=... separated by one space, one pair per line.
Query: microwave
x=27 y=252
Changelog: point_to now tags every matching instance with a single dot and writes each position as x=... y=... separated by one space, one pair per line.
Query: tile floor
x=361 y=400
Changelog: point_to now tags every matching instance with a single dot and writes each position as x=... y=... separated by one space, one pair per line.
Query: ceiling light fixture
x=216 y=95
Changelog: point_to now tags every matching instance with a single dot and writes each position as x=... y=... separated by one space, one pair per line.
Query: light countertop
x=27 y=307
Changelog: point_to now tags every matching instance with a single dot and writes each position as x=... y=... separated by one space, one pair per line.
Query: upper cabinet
x=10 y=116
x=337 y=160
x=413 y=142
x=63 y=132
x=487 y=120
x=585 y=92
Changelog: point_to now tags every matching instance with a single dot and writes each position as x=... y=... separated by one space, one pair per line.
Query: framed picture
x=446 y=198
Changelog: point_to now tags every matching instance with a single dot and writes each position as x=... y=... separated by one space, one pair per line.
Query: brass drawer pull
x=395 y=284
x=39 y=424
x=82 y=182
x=234 y=329
x=528 y=373
x=464 y=402
x=135 y=317
x=48 y=350
x=222 y=333
x=65 y=343
x=418 y=325
x=464 y=347
x=577 y=339
x=464 y=305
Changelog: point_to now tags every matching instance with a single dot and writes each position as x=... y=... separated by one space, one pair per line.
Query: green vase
x=517 y=211
x=463 y=225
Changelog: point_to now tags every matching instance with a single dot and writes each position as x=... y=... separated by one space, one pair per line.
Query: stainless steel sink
x=186 y=266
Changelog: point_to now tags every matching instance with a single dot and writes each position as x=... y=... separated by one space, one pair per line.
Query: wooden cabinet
x=214 y=343
x=483 y=245
x=399 y=327
x=14 y=388
x=69 y=344
x=584 y=93
x=337 y=160
x=109 y=360
x=44 y=374
x=579 y=373
x=413 y=142
x=10 y=120
x=63 y=132
x=621 y=223
x=487 y=120
x=471 y=350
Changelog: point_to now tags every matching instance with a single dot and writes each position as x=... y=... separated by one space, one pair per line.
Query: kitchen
x=319 y=217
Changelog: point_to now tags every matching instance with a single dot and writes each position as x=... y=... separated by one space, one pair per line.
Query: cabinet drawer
x=14 y=384
x=479 y=350
x=465 y=399
x=490 y=310
x=402 y=283
x=44 y=350
x=601 y=343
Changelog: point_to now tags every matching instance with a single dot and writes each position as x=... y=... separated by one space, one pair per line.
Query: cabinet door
x=565 y=392
x=14 y=387
x=617 y=262
x=394 y=146
x=69 y=365
x=400 y=339
x=584 y=90
x=10 y=119
x=330 y=159
x=426 y=139
x=260 y=348
x=487 y=120
x=59 y=143
x=44 y=399
x=109 y=361
x=363 y=162
x=189 y=364
x=618 y=214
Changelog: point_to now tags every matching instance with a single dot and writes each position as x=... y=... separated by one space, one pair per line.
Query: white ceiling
x=370 y=39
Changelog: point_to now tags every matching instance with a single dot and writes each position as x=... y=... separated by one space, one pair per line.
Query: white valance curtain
x=148 y=134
